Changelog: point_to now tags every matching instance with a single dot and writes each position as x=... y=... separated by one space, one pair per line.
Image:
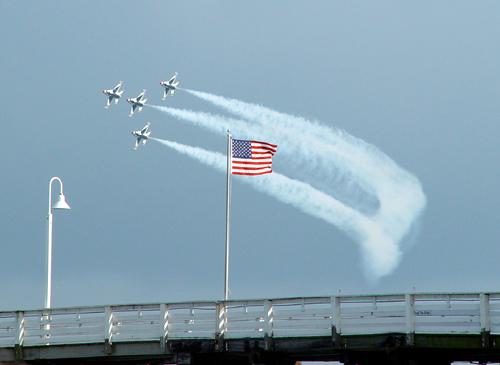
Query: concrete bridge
x=416 y=328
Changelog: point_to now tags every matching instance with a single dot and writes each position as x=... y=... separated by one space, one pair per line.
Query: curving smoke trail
x=369 y=196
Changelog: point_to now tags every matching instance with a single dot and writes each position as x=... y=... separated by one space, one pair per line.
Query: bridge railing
x=373 y=314
x=416 y=313
x=458 y=313
x=8 y=325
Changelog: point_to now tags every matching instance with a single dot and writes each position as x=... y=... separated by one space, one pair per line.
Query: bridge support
x=19 y=340
x=108 y=347
x=391 y=359
x=335 y=338
x=18 y=352
x=251 y=359
x=408 y=362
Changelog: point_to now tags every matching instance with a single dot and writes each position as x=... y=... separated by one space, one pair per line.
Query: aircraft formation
x=138 y=103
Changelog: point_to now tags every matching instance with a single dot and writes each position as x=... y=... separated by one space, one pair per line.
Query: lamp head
x=61 y=203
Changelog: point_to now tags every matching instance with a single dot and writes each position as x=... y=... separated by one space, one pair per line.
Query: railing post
x=164 y=327
x=268 y=324
x=484 y=315
x=335 y=309
x=19 y=335
x=220 y=325
x=108 y=329
x=46 y=318
x=410 y=319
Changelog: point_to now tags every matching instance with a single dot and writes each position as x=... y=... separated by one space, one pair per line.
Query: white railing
x=457 y=313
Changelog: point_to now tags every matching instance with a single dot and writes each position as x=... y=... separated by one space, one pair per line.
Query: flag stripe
x=252 y=167
x=257 y=158
x=250 y=173
x=243 y=163
x=252 y=170
x=261 y=153
x=273 y=146
x=262 y=160
x=263 y=148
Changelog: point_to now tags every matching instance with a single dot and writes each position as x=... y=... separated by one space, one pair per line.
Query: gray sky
x=417 y=80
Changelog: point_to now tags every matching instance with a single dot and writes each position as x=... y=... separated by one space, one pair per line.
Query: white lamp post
x=59 y=204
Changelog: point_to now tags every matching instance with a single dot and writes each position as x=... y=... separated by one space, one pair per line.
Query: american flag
x=252 y=157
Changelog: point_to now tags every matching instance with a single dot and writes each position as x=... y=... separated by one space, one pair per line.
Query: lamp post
x=59 y=204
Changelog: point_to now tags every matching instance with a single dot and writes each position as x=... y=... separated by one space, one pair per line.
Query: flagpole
x=228 y=206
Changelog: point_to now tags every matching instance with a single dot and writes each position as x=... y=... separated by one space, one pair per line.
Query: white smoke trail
x=293 y=152
x=378 y=249
x=349 y=169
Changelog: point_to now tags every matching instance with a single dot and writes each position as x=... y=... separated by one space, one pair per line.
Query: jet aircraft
x=169 y=85
x=141 y=135
x=114 y=94
x=138 y=102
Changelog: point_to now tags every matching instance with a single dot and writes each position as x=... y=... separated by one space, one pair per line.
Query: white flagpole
x=228 y=206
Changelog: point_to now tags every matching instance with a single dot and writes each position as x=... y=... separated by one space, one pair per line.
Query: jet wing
x=141 y=95
x=133 y=109
x=145 y=129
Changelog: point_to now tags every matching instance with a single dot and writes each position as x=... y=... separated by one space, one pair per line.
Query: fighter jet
x=169 y=85
x=114 y=94
x=143 y=135
x=138 y=102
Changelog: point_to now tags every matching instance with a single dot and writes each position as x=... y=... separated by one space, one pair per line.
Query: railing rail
x=453 y=313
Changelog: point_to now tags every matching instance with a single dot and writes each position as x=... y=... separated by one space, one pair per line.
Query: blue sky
x=418 y=81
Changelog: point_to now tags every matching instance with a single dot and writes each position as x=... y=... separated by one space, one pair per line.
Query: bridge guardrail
x=454 y=313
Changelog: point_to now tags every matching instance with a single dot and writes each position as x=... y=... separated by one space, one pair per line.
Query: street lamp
x=59 y=204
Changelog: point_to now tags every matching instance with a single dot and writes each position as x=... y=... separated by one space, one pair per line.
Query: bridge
x=407 y=329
